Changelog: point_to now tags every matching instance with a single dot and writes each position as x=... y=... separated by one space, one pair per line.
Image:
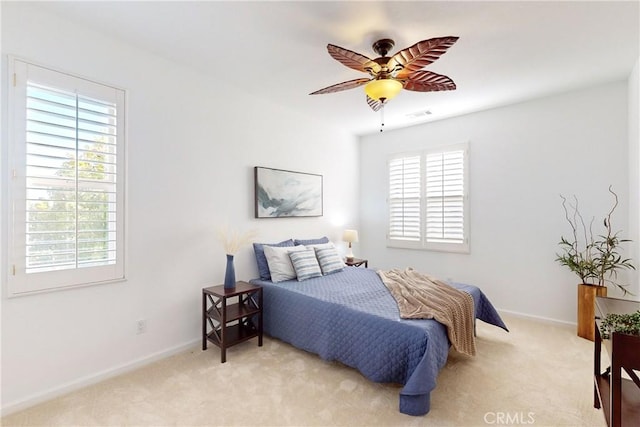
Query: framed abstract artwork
x=281 y=193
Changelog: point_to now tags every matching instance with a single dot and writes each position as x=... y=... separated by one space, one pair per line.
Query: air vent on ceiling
x=419 y=114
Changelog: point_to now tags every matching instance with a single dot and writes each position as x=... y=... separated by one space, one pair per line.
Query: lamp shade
x=383 y=89
x=350 y=236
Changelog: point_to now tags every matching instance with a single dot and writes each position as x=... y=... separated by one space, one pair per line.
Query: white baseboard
x=93 y=379
x=539 y=318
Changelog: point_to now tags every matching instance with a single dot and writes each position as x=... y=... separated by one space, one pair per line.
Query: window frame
x=18 y=280
x=422 y=243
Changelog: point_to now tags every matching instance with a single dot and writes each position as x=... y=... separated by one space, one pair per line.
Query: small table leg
x=204 y=321
x=260 y=318
x=596 y=365
x=223 y=334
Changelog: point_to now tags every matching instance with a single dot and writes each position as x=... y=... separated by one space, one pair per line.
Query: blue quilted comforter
x=351 y=317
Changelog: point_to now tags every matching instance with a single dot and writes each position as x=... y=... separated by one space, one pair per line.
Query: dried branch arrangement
x=232 y=240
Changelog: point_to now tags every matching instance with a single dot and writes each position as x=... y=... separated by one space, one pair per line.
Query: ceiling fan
x=389 y=75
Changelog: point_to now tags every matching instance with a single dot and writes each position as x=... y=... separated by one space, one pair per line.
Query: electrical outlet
x=141 y=326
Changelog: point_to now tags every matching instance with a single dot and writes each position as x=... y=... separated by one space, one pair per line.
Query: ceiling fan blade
x=374 y=104
x=420 y=55
x=350 y=84
x=426 y=81
x=352 y=59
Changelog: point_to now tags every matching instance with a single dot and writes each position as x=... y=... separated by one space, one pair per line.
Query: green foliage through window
x=71 y=181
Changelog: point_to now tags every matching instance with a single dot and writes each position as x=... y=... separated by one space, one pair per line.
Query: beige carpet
x=539 y=374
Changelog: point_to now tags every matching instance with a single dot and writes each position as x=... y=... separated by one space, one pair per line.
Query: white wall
x=192 y=146
x=634 y=174
x=521 y=158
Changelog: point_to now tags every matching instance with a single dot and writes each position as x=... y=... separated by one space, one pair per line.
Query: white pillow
x=279 y=262
x=321 y=245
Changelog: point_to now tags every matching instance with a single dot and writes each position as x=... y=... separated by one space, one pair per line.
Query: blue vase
x=230 y=274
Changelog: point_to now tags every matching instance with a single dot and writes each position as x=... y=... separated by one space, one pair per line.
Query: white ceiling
x=507 y=51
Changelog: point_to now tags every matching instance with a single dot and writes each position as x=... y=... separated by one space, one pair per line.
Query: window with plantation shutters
x=444 y=197
x=67 y=188
x=404 y=198
x=428 y=201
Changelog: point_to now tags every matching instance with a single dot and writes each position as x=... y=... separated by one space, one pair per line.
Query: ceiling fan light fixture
x=383 y=89
x=390 y=75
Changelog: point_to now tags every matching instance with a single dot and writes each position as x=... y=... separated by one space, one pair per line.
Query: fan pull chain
x=382 y=117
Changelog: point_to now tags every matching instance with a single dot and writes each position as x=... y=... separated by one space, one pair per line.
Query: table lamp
x=350 y=236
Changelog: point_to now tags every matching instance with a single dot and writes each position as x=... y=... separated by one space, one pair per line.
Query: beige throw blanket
x=422 y=297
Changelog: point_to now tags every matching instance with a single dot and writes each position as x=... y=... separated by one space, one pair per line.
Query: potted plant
x=622 y=323
x=596 y=260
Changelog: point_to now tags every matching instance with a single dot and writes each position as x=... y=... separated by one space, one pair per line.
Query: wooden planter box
x=586 y=309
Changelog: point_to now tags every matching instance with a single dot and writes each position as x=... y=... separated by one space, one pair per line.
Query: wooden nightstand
x=217 y=315
x=357 y=262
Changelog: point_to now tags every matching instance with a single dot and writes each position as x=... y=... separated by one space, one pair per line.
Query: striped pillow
x=329 y=259
x=305 y=264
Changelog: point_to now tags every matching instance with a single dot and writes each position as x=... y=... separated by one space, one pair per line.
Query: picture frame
x=284 y=194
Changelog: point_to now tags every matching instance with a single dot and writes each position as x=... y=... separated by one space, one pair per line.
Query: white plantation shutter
x=445 y=197
x=428 y=206
x=68 y=184
x=404 y=198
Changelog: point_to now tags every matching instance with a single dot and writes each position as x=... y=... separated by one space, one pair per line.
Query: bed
x=351 y=317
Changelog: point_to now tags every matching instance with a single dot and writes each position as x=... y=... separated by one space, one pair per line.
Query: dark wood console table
x=619 y=397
